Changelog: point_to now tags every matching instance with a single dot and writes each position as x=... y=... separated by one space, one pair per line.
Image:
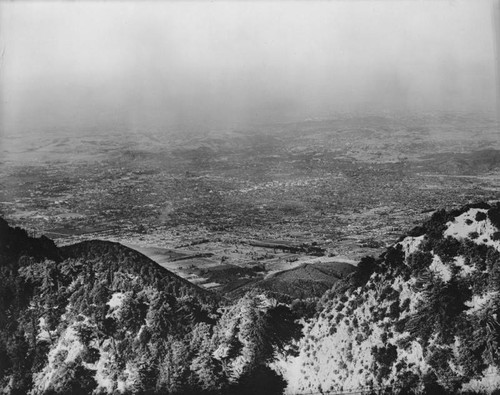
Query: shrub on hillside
x=494 y=216
x=438 y=360
x=473 y=235
x=435 y=226
x=388 y=293
x=419 y=261
x=394 y=257
x=403 y=342
x=474 y=254
x=394 y=310
x=384 y=357
x=405 y=305
x=304 y=308
x=440 y=309
x=480 y=216
x=447 y=248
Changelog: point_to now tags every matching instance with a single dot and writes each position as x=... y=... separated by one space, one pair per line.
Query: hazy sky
x=96 y=65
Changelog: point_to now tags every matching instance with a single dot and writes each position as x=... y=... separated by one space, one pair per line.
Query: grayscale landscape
x=253 y=198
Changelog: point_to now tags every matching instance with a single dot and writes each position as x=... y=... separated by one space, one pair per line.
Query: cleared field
x=305 y=281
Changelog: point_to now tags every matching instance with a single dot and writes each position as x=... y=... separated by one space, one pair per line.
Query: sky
x=92 y=65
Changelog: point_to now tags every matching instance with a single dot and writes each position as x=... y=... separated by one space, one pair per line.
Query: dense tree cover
x=100 y=317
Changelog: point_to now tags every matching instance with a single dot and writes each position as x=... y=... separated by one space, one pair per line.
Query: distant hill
x=114 y=258
x=304 y=281
x=98 y=317
x=469 y=163
x=422 y=318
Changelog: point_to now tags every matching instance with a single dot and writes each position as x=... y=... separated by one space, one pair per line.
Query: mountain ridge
x=86 y=247
x=422 y=318
x=99 y=317
x=102 y=318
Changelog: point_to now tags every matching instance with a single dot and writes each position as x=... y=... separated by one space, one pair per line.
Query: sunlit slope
x=423 y=317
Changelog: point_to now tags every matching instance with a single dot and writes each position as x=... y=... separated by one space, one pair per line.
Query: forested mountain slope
x=98 y=317
x=422 y=318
